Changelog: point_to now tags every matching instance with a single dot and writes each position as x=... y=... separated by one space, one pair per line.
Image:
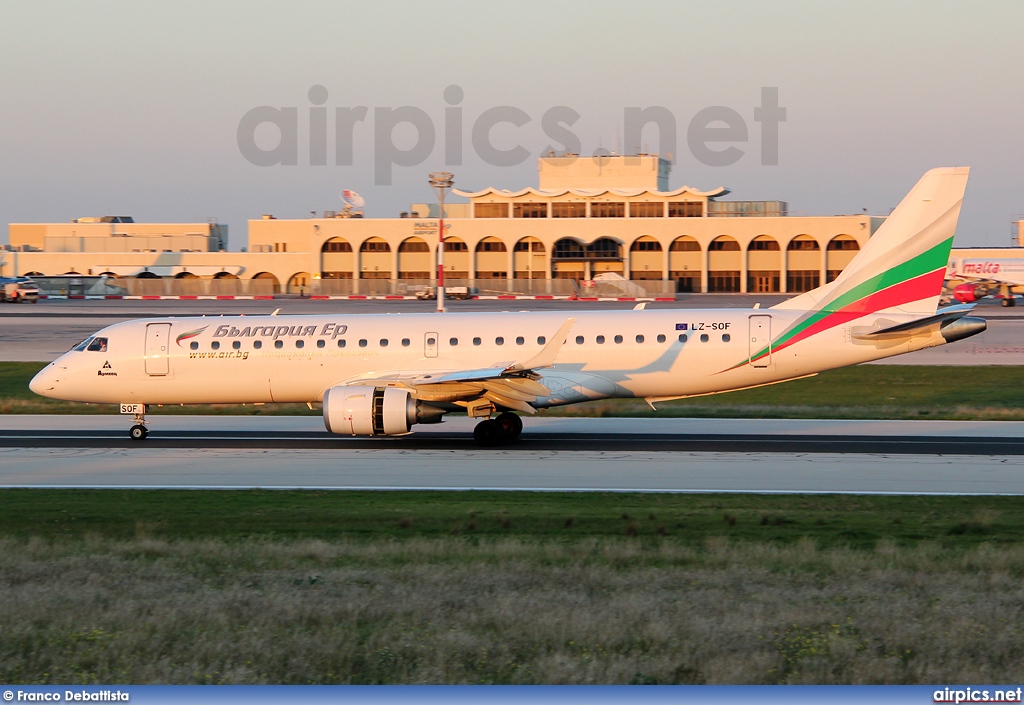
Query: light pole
x=441 y=180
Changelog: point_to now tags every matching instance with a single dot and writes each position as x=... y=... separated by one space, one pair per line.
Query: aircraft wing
x=511 y=385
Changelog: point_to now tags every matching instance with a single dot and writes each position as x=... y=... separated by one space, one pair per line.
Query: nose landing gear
x=138 y=432
x=505 y=428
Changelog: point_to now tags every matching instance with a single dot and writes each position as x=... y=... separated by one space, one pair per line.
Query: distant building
x=589 y=216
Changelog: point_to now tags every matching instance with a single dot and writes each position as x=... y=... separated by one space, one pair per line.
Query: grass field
x=490 y=587
x=866 y=392
x=499 y=587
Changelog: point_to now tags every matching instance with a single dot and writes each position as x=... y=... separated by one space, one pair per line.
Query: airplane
x=982 y=277
x=379 y=375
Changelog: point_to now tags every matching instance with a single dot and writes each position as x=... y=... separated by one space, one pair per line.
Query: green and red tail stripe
x=913 y=280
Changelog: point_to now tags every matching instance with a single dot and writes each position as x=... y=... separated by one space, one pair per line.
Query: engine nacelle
x=967 y=293
x=374 y=411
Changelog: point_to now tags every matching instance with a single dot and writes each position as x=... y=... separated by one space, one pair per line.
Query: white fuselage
x=1004 y=271
x=656 y=354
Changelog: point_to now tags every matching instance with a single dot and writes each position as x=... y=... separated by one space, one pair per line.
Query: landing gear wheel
x=138 y=432
x=511 y=425
x=1009 y=302
x=488 y=433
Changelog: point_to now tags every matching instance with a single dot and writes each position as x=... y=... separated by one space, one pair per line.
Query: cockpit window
x=82 y=346
x=98 y=345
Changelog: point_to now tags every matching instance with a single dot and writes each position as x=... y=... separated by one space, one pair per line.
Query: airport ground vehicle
x=18 y=289
x=450 y=292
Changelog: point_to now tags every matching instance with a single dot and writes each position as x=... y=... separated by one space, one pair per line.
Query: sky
x=136 y=108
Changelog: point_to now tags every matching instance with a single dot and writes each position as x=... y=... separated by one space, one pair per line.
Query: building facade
x=611 y=217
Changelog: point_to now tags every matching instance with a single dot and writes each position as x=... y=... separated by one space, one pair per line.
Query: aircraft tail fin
x=903 y=265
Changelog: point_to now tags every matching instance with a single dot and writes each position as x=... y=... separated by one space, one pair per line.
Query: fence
x=133 y=286
x=495 y=287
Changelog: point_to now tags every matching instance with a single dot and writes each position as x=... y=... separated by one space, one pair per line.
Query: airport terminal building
x=612 y=218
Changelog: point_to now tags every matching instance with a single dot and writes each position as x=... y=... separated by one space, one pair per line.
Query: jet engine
x=375 y=411
x=967 y=293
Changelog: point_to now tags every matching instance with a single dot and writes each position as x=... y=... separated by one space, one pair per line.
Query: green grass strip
x=691 y=519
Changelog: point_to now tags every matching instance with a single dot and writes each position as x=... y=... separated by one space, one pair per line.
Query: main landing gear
x=138 y=432
x=504 y=428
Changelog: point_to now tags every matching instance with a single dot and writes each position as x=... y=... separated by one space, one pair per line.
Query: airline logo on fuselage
x=331 y=330
x=982 y=267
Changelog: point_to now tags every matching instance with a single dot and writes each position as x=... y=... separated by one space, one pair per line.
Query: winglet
x=546 y=357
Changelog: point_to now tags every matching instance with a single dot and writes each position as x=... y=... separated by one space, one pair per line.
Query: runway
x=650 y=455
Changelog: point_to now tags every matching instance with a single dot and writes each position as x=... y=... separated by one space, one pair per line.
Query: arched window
x=375 y=244
x=604 y=248
x=530 y=244
x=491 y=244
x=266 y=283
x=764 y=242
x=645 y=244
x=336 y=244
x=803 y=242
x=684 y=244
x=567 y=248
x=724 y=243
x=843 y=242
x=414 y=244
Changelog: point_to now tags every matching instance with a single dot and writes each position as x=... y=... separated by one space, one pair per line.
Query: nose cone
x=45 y=382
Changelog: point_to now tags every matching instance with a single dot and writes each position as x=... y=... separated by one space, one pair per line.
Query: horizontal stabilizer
x=903 y=330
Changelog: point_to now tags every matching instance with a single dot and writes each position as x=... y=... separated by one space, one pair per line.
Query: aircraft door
x=157 y=347
x=760 y=340
x=430 y=345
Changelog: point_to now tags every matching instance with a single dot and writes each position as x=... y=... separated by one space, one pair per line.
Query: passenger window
x=661 y=338
x=320 y=343
x=383 y=342
x=299 y=343
x=341 y=342
x=579 y=340
x=476 y=341
x=726 y=337
x=618 y=339
x=639 y=339
x=237 y=344
x=541 y=340
x=405 y=342
x=453 y=341
x=600 y=340
x=362 y=342
x=520 y=340
x=98 y=345
x=215 y=345
x=257 y=344
x=194 y=345
x=682 y=337
x=703 y=337
x=499 y=341
x=278 y=344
